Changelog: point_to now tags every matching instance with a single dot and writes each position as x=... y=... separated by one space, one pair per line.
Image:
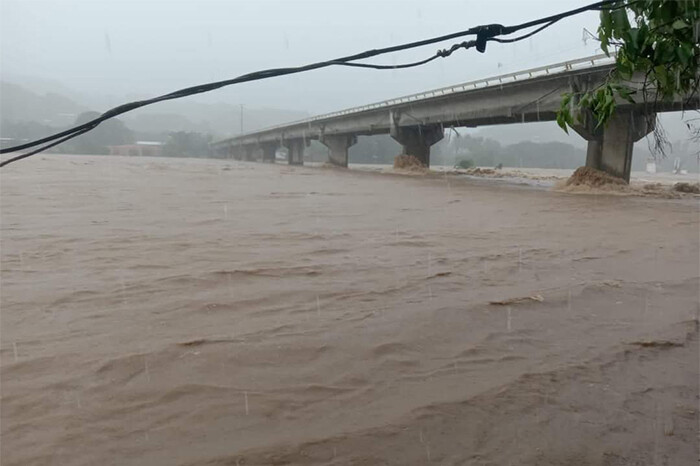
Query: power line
x=483 y=33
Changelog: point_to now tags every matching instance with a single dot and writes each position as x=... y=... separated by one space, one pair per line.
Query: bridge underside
x=609 y=149
x=417 y=125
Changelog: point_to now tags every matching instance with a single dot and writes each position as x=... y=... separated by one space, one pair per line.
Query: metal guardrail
x=581 y=63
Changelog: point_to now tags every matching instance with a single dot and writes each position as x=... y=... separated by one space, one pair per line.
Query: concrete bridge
x=418 y=121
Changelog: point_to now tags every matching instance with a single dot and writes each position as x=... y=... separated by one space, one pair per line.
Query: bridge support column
x=338 y=147
x=248 y=153
x=269 y=150
x=295 y=148
x=610 y=147
x=594 y=153
x=622 y=131
x=416 y=140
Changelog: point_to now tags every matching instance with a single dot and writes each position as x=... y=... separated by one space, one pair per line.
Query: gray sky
x=123 y=48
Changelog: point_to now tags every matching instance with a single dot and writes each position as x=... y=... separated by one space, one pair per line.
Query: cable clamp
x=486 y=32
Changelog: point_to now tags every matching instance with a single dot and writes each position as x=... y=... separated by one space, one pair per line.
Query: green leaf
x=561 y=122
x=625 y=69
x=605 y=24
x=680 y=24
x=626 y=93
x=620 y=21
x=684 y=53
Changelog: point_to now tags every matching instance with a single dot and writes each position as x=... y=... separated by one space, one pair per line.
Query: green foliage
x=657 y=40
x=187 y=144
x=465 y=163
x=111 y=132
x=486 y=152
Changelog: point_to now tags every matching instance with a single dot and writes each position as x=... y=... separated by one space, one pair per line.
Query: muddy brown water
x=160 y=312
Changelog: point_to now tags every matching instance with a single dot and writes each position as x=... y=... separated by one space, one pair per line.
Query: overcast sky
x=123 y=48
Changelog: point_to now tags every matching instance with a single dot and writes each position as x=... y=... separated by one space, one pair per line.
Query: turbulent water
x=161 y=312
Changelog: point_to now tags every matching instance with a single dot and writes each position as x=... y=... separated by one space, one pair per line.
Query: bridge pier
x=249 y=153
x=269 y=151
x=416 y=140
x=338 y=147
x=295 y=148
x=610 y=147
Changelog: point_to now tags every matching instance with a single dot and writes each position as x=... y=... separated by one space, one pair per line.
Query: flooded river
x=172 y=311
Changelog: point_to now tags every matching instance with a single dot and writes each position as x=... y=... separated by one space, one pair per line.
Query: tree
x=111 y=132
x=187 y=144
x=658 y=40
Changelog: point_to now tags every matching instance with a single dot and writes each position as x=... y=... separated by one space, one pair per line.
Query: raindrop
x=646 y=302
x=108 y=44
x=520 y=259
x=145 y=366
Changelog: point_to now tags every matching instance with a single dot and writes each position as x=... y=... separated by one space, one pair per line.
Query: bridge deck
x=528 y=95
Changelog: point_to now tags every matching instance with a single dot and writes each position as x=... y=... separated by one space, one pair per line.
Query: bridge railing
x=581 y=63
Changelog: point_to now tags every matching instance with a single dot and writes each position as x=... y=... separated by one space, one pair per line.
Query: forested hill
x=27 y=112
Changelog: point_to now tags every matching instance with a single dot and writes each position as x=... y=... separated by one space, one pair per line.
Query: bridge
x=418 y=121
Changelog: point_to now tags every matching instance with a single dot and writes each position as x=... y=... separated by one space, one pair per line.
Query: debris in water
x=198 y=342
x=657 y=344
x=480 y=171
x=682 y=187
x=587 y=176
x=409 y=162
x=505 y=302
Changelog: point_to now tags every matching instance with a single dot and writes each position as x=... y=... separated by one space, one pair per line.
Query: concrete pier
x=416 y=140
x=610 y=147
x=295 y=148
x=249 y=153
x=269 y=151
x=338 y=146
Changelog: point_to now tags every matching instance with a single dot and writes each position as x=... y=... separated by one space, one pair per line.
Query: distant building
x=651 y=165
x=138 y=149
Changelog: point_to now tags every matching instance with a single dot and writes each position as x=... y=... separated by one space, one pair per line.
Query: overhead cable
x=483 y=33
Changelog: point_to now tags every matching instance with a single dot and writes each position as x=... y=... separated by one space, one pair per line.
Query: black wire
x=525 y=36
x=557 y=17
x=48 y=146
x=484 y=33
x=439 y=54
x=391 y=67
